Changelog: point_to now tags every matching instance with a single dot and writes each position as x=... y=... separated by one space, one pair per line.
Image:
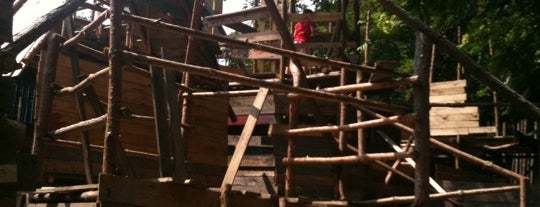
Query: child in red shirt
x=303 y=31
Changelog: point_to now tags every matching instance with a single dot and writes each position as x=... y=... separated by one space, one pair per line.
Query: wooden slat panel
x=462 y=131
x=454 y=98
x=482 y=130
x=452 y=110
x=258 y=36
x=448 y=84
x=447 y=91
x=453 y=117
x=453 y=124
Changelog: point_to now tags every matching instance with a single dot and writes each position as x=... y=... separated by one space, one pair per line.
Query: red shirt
x=302 y=32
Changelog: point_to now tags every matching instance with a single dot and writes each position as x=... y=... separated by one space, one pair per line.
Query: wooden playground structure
x=159 y=122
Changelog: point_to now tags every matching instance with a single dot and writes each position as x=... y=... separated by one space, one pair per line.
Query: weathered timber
x=245 y=137
x=80 y=126
x=46 y=94
x=209 y=72
x=258 y=36
x=81 y=110
x=35 y=48
x=290 y=174
x=236 y=17
x=112 y=127
x=468 y=62
x=396 y=163
x=421 y=129
x=175 y=119
x=161 y=124
x=17 y=5
x=82 y=84
x=369 y=157
x=22 y=39
x=350 y=127
x=207 y=36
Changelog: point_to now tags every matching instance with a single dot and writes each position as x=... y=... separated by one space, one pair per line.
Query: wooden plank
x=454 y=98
x=453 y=124
x=449 y=132
x=316 y=17
x=242 y=105
x=452 y=110
x=257 y=54
x=483 y=130
x=447 y=91
x=454 y=117
x=245 y=137
x=62 y=205
x=448 y=84
x=258 y=36
x=236 y=17
x=65 y=189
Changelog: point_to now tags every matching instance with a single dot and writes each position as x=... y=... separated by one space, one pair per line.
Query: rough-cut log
x=346 y=159
x=209 y=72
x=46 y=94
x=17 y=5
x=41 y=25
x=82 y=84
x=290 y=174
x=112 y=127
x=350 y=127
x=437 y=196
x=207 y=36
x=421 y=129
x=81 y=126
x=470 y=64
x=35 y=48
x=372 y=86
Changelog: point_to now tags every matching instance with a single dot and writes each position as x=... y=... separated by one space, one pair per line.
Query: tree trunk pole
x=421 y=130
x=468 y=63
x=112 y=127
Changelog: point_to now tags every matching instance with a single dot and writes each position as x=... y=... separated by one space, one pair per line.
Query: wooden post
x=114 y=102
x=291 y=145
x=421 y=130
x=45 y=100
x=161 y=123
x=81 y=110
x=245 y=137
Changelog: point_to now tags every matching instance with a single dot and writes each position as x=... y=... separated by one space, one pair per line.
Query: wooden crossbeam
x=236 y=17
x=318 y=17
x=258 y=36
x=245 y=137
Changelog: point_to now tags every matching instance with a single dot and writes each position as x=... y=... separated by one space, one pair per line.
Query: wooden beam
x=384 y=156
x=245 y=137
x=114 y=103
x=92 y=25
x=45 y=102
x=372 y=86
x=350 y=127
x=316 y=17
x=472 y=67
x=421 y=127
x=161 y=123
x=236 y=17
x=258 y=36
x=82 y=84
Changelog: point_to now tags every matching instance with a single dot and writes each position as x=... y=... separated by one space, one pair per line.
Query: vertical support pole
x=496 y=113
x=523 y=182
x=161 y=123
x=291 y=145
x=45 y=101
x=190 y=55
x=114 y=113
x=342 y=141
x=421 y=130
x=361 y=138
